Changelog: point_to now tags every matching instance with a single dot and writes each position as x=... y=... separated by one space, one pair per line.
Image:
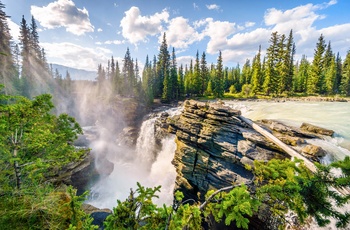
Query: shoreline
x=285 y=99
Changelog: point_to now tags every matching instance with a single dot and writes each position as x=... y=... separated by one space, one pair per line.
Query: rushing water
x=330 y=115
x=152 y=168
x=145 y=164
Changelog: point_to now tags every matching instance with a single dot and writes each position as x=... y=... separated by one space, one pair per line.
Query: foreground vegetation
x=34 y=143
x=281 y=186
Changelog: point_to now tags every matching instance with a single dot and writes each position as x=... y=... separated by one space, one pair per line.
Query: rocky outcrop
x=214 y=146
x=315 y=129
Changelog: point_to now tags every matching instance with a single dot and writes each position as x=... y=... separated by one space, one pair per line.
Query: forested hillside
x=35 y=143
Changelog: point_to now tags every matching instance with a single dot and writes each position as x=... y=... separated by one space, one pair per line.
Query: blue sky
x=83 y=33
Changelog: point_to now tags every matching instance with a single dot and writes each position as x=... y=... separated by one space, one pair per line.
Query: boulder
x=313 y=150
x=316 y=129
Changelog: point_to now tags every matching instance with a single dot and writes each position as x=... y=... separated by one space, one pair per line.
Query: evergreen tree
x=163 y=68
x=218 y=80
x=302 y=77
x=289 y=60
x=34 y=40
x=196 y=83
x=246 y=73
x=330 y=76
x=174 y=77
x=338 y=76
x=180 y=80
x=204 y=74
x=345 y=84
x=9 y=69
x=256 y=73
x=271 y=79
x=283 y=62
x=128 y=76
x=316 y=75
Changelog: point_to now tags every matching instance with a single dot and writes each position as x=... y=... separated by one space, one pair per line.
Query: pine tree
x=204 y=74
x=196 y=84
x=330 y=76
x=34 y=40
x=128 y=76
x=174 y=77
x=246 y=73
x=26 y=72
x=316 y=78
x=271 y=79
x=180 y=79
x=256 y=73
x=338 y=76
x=289 y=62
x=345 y=84
x=9 y=69
x=302 y=77
x=218 y=80
x=163 y=68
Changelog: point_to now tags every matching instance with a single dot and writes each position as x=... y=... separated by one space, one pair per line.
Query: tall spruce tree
x=204 y=74
x=163 y=68
x=256 y=73
x=271 y=81
x=338 y=76
x=8 y=70
x=316 y=78
x=173 y=77
x=302 y=77
x=345 y=82
x=218 y=80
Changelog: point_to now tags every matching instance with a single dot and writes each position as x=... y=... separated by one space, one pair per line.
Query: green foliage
x=236 y=205
x=283 y=185
x=43 y=207
x=289 y=186
x=138 y=211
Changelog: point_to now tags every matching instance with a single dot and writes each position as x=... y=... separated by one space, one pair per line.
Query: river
x=330 y=115
x=152 y=169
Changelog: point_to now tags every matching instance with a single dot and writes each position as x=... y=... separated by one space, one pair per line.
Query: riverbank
x=284 y=99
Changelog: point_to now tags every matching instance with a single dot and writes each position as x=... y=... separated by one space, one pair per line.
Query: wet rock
x=315 y=129
x=313 y=150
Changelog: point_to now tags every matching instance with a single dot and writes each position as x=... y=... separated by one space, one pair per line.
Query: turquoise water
x=330 y=115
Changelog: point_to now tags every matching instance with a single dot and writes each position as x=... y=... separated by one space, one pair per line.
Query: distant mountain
x=75 y=74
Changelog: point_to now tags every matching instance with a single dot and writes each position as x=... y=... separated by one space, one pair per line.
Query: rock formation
x=214 y=145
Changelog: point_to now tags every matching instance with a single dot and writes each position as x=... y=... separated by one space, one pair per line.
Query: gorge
x=211 y=151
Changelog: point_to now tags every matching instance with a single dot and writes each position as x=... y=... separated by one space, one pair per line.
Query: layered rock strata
x=214 y=146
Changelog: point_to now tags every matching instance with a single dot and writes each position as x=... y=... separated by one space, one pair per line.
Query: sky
x=84 y=33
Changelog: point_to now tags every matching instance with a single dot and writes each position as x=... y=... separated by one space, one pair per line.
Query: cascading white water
x=145 y=165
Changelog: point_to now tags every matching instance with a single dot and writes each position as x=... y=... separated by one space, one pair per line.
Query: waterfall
x=145 y=145
x=149 y=166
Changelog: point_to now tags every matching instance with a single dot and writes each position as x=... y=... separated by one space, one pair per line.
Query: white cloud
x=99 y=30
x=213 y=7
x=14 y=30
x=195 y=6
x=180 y=34
x=249 y=24
x=63 y=13
x=115 y=42
x=218 y=31
x=184 y=60
x=136 y=27
x=76 y=56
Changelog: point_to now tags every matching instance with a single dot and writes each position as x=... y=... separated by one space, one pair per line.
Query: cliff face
x=213 y=146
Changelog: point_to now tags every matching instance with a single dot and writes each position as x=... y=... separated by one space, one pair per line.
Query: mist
x=123 y=146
